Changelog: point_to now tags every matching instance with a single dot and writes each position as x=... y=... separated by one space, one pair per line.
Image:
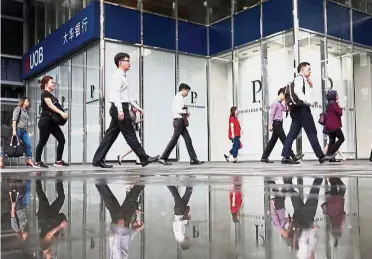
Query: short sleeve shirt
x=45 y=110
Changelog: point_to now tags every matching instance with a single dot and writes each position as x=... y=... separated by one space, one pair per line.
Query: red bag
x=241 y=145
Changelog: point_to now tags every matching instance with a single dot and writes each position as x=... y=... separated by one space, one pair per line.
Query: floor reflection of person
x=334 y=207
x=181 y=215
x=279 y=218
x=123 y=227
x=303 y=234
x=236 y=199
x=51 y=221
x=18 y=214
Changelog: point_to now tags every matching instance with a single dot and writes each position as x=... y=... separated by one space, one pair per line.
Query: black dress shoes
x=150 y=160
x=266 y=160
x=289 y=161
x=164 y=162
x=101 y=165
x=196 y=162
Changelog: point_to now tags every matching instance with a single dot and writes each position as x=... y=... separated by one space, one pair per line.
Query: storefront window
x=77 y=113
x=49 y=152
x=340 y=78
x=280 y=72
x=312 y=50
x=362 y=65
x=249 y=83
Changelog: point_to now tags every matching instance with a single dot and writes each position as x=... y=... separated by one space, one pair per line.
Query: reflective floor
x=89 y=215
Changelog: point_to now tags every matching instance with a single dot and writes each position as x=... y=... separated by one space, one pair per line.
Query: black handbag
x=56 y=117
x=15 y=149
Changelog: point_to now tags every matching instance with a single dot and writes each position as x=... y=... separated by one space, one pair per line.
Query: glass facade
x=247 y=76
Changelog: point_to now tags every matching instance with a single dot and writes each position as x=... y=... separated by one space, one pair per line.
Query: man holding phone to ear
x=299 y=103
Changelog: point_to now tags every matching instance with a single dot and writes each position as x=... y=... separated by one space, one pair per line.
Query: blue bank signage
x=71 y=36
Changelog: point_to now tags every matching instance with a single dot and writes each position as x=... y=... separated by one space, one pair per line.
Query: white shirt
x=299 y=83
x=307 y=243
x=120 y=91
x=119 y=242
x=179 y=228
x=177 y=106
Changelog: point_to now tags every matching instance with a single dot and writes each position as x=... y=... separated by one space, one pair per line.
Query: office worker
x=120 y=117
x=180 y=123
x=301 y=116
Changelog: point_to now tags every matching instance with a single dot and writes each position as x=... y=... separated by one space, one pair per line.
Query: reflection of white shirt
x=306 y=243
x=179 y=228
x=299 y=83
x=119 y=242
x=177 y=106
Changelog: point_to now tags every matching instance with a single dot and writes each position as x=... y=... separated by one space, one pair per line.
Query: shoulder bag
x=15 y=148
x=56 y=117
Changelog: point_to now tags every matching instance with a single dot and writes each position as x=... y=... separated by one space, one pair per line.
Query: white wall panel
x=279 y=78
x=158 y=93
x=312 y=55
x=120 y=146
x=250 y=106
x=192 y=71
x=220 y=94
x=363 y=104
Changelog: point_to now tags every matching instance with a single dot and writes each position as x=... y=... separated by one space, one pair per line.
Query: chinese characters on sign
x=75 y=31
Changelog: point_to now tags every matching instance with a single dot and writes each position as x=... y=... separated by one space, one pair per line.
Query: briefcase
x=15 y=148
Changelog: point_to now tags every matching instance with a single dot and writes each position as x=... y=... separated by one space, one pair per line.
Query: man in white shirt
x=180 y=122
x=181 y=215
x=121 y=121
x=302 y=117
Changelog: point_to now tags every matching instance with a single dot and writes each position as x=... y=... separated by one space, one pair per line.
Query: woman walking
x=333 y=123
x=47 y=125
x=20 y=122
x=234 y=135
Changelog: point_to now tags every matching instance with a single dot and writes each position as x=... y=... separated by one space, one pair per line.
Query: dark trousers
x=235 y=148
x=116 y=126
x=47 y=210
x=304 y=213
x=180 y=203
x=334 y=145
x=47 y=127
x=127 y=209
x=338 y=187
x=179 y=129
x=302 y=119
x=278 y=133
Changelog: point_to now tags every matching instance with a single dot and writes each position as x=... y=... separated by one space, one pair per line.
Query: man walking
x=299 y=106
x=120 y=118
x=276 y=126
x=180 y=123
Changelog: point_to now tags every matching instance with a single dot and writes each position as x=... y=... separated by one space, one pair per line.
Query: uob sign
x=257 y=87
x=34 y=59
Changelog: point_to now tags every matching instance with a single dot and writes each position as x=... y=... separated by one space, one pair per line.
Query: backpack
x=291 y=98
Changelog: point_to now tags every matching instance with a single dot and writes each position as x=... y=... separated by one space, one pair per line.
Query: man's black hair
x=184 y=86
x=119 y=57
x=302 y=65
x=281 y=90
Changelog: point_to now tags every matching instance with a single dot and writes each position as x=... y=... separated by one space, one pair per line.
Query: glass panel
x=245 y=4
x=92 y=105
x=192 y=71
x=76 y=220
x=220 y=101
x=38 y=113
x=218 y=10
x=129 y=3
x=250 y=101
x=40 y=20
x=312 y=51
x=340 y=78
x=362 y=64
x=77 y=114
x=12 y=8
x=62 y=10
x=92 y=220
x=34 y=95
x=193 y=11
x=13 y=45
x=63 y=98
x=51 y=147
x=51 y=16
x=343 y=2
x=279 y=51
x=360 y=5
x=76 y=6
x=369 y=6
x=159 y=7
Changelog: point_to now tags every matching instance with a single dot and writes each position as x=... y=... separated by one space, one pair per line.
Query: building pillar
x=102 y=115
x=208 y=85
x=235 y=61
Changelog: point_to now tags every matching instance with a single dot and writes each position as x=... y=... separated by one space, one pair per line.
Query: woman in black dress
x=47 y=125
